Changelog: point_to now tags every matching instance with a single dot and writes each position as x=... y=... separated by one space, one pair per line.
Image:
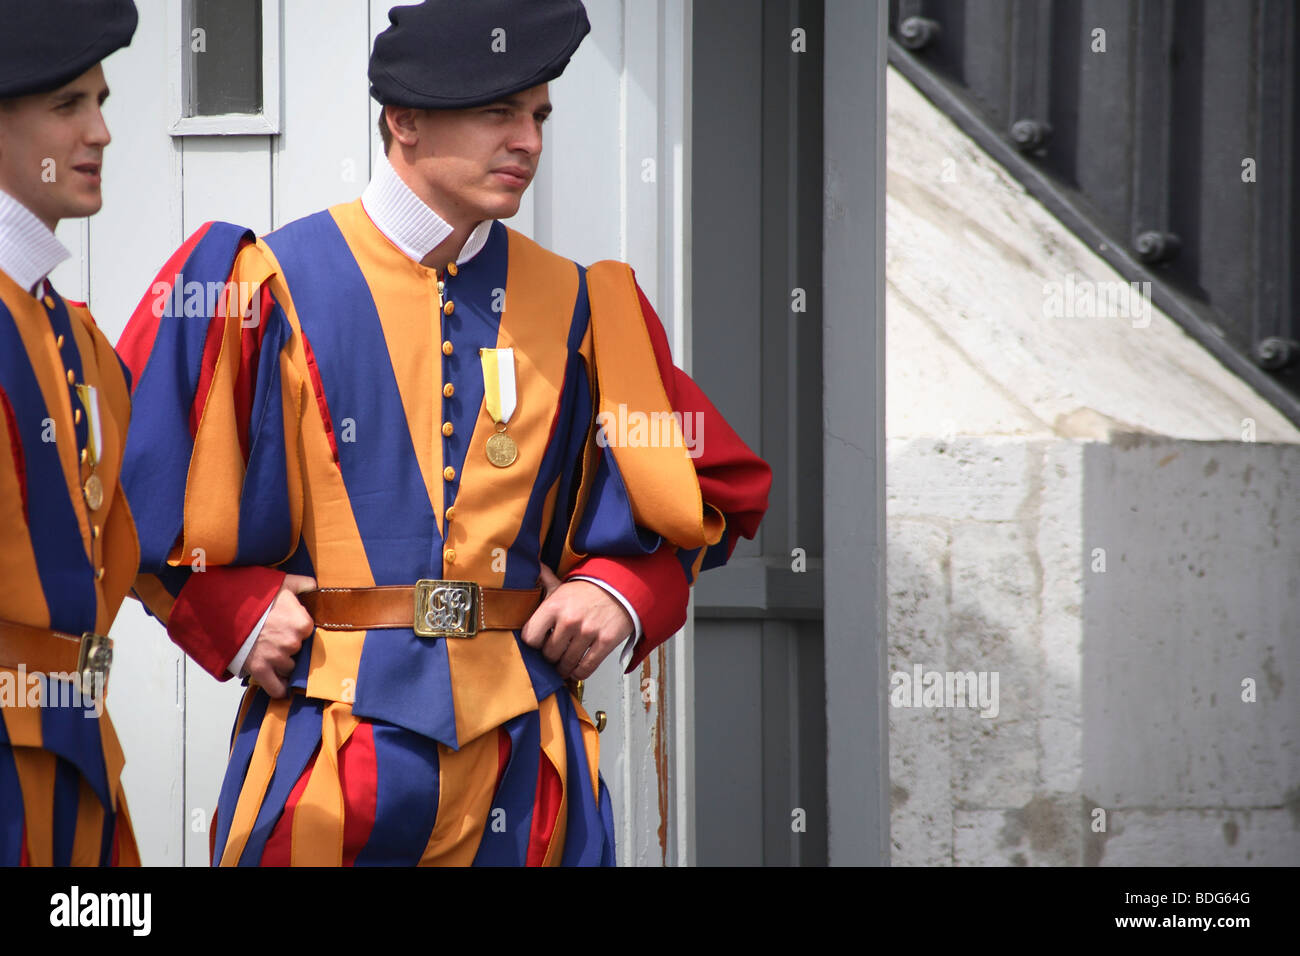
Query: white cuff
x=625 y=655
x=236 y=666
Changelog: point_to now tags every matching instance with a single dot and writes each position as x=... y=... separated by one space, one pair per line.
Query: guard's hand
x=270 y=662
x=576 y=626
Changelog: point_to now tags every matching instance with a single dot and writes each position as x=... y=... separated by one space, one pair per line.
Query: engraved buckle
x=94 y=659
x=446 y=608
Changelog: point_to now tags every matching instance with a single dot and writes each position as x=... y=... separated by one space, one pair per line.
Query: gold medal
x=502 y=450
x=94 y=491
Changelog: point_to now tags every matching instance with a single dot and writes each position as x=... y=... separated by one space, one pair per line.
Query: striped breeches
x=311 y=784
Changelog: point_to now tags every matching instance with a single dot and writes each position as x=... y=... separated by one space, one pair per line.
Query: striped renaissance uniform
x=68 y=556
x=328 y=417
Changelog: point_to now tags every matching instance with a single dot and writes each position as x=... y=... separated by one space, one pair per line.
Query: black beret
x=453 y=54
x=47 y=43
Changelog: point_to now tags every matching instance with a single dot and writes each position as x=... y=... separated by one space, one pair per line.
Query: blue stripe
x=512 y=807
x=70 y=355
x=241 y=754
x=473 y=325
x=73 y=733
x=401 y=679
x=302 y=735
x=607 y=526
x=558 y=462
x=155 y=465
x=587 y=834
x=338 y=316
x=67 y=579
x=406 y=798
x=11 y=804
x=265 y=521
x=67 y=799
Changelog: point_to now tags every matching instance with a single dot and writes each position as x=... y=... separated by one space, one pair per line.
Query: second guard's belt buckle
x=446 y=608
x=94 y=658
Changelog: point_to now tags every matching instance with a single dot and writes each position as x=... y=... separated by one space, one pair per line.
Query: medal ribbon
x=90 y=402
x=499 y=383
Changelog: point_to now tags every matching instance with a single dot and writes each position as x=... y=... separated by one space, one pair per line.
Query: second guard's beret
x=47 y=43
x=454 y=54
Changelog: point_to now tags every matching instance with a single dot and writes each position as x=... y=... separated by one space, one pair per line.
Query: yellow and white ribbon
x=95 y=430
x=499 y=383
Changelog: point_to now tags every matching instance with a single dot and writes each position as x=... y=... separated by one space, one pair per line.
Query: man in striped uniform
x=68 y=551
x=359 y=478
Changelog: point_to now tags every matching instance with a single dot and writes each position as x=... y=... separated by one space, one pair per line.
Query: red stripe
x=279 y=845
x=24 y=859
x=211 y=351
x=212 y=838
x=319 y=389
x=16 y=448
x=503 y=753
x=141 y=331
x=546 y=810
x=359 y=778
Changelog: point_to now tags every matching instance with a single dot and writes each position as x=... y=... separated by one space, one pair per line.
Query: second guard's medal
x=93 y=489
x=499 y=396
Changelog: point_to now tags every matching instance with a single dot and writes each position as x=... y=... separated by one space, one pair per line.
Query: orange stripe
x=90 y=827
x=36 y=779
x=466 y=786
x=660 y=478
x=555 y=750
x=260 y=768
x=490 y=683
x=318 y=817
x=402 y=290
x=328 y=527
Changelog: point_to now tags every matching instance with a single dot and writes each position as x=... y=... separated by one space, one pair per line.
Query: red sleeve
x=217 y=609
x=732 y=478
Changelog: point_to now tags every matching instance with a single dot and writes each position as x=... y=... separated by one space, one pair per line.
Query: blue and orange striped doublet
x=324 y=414
x=64 y=565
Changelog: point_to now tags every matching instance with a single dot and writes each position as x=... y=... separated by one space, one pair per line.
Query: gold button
x=451 y=513
x=99 y=575
x=59 y=340
x=449 y=308
x=449 y=473
x=449 y=390
x=449 y=556
x=49 y=302
x=76 y=416
x=451 y=268
x=447 y=347
x=94 y=531
x=72 y=377
x=83 y=455
x=448 y=428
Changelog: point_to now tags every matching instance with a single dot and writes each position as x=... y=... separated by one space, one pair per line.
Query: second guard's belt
x=39 y=649
x=432 y=608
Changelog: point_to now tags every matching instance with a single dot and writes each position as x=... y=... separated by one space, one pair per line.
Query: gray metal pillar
x=853 y=276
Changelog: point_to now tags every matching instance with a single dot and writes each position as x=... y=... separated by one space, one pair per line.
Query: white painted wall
x=1098 y=511
x=622 y=101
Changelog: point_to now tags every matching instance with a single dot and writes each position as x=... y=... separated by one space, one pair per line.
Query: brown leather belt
x=41 y=650
x=430 y=608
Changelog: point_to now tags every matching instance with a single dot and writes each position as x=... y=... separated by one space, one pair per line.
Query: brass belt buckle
x=446 y=608
x=94 y=659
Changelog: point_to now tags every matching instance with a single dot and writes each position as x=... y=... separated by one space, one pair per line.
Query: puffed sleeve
x=667 y=485
x=209 y=468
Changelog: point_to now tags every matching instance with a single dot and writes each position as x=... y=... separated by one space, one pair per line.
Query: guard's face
x=477 y=162
x=52 y=149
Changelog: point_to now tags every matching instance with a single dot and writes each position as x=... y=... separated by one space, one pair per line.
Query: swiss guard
x=415 y=476
x=68 y=552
